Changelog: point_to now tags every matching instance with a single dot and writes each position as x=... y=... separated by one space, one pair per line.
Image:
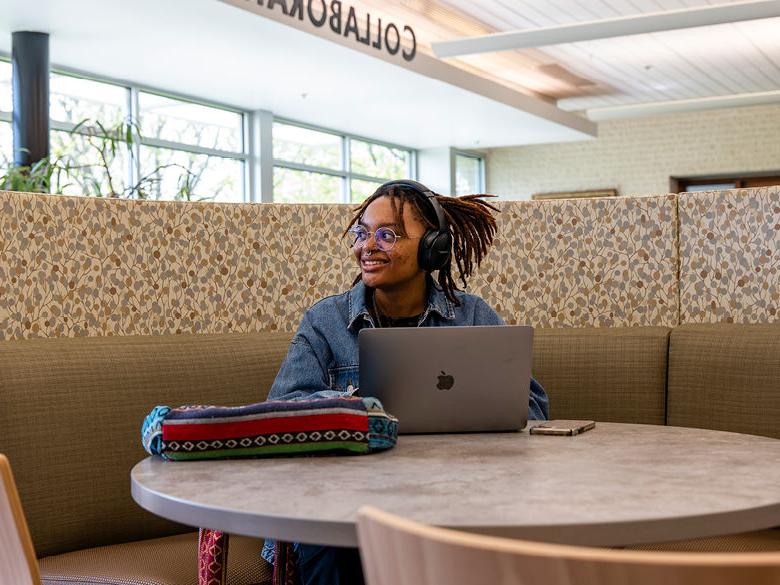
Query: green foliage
x=36 y=178
x=96 y=163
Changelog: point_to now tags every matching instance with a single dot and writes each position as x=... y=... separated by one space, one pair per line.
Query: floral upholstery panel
x=584 y=263
x=730 y=256
x=73 y=266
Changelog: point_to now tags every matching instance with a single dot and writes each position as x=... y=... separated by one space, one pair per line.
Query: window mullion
x=370 y=178
x=346 y=158
x=309 y=169
x=248 y=148
x=194 y=149
x=134 y=117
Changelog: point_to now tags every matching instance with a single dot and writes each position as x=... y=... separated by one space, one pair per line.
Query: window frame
x=718 y=181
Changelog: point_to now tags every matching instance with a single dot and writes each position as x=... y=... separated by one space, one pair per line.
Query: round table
x=618 y=484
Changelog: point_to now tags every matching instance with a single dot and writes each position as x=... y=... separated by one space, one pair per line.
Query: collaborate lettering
x=344 y=22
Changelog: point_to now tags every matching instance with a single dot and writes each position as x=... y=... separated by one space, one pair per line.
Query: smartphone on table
x=562 y=427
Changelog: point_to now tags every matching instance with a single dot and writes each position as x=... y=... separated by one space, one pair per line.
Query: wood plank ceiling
x=722 y=60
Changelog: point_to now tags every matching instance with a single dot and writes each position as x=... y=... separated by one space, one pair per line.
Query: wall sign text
x=343 y=20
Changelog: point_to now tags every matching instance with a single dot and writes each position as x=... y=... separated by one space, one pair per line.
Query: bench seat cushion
x=746 y=542
x=160 y=561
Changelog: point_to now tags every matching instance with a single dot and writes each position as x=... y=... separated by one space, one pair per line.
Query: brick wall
x=638 y=156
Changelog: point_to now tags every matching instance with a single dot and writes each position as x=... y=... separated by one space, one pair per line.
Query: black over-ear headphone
x=436 y=245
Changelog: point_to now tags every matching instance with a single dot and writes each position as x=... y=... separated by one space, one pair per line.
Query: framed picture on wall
x=576 y=194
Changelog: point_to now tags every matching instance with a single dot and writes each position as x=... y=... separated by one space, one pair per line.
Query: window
x=6 y=135
x=468 y=174
x=317 y=166
x=169 y=173
x=181 y=149
x=307 y=147
x=94 y=166
x=711 y=187
x=190 y=150
x=5 y=87
x=292 y=186
x=187 y=123
x=375 y=160
x=6 y=146
x=745 y=181
x=362 y=190
x=73 y=100
x=186 y=150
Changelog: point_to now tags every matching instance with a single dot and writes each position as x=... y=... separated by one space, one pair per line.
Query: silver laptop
x=449 y=379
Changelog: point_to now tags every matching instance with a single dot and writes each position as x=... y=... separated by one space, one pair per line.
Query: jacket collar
x=358 y=308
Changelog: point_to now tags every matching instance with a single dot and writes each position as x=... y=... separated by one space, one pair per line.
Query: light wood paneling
x=694 y=63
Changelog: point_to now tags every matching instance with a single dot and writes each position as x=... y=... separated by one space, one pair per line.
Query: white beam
x=427 y=66
x=689 y=105
x=612 y=27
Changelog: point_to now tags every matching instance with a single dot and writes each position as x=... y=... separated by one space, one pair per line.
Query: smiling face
x=396 y=268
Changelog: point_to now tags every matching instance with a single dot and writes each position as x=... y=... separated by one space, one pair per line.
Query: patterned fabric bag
x=265 y=429
x=279 y=427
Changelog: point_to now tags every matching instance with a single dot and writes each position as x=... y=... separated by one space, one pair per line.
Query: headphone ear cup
x=435 y=249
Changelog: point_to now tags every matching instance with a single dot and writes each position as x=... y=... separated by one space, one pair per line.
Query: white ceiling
x=210 y=50
x=722 y=60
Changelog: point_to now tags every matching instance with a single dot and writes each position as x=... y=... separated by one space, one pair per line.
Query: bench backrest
x=71 y=413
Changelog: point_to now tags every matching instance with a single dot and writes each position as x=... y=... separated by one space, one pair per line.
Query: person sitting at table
x=400 y=235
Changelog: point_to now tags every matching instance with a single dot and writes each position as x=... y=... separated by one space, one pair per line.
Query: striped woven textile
x=265 y=429
x=273 y=428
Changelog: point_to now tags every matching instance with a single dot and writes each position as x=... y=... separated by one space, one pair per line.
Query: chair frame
x=381 y=533
x=20 y=523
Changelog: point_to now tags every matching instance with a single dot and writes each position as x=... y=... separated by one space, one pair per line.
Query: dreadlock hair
x=470 y=220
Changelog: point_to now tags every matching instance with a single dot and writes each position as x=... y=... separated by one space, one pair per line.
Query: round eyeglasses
x=384 y=237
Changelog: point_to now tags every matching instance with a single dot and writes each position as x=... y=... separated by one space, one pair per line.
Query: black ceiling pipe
x=30 y=82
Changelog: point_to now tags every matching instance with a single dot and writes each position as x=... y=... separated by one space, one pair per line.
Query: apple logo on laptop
x=445 y=381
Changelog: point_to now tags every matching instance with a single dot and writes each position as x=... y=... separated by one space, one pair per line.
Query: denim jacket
x=323 y=356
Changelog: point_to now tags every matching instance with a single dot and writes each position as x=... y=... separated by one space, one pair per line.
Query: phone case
x=563 y=428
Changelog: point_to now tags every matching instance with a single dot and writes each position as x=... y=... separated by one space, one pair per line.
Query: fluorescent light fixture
x=612 y=27
x=672 y=106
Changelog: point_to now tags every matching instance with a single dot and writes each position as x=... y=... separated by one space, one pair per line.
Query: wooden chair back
x=18 y=565
x=396 y=551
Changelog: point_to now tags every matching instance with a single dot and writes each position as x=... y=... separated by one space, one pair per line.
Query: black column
x=30 y=59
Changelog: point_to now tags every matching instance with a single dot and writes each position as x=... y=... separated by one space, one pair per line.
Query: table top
x=617 y=484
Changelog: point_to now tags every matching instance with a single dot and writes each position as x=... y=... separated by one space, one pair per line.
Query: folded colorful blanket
x=280 y=427
x=264 y=429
